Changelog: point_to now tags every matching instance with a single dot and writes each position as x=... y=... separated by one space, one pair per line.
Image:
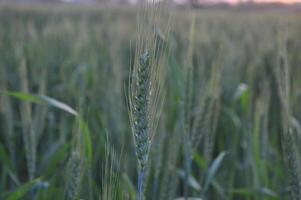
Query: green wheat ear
x=140 y=114
x=145 y=101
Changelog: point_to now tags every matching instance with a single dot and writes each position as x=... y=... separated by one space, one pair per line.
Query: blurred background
x=63 y=57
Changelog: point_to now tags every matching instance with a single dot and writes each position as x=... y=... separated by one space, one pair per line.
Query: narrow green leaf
x=242 y=191
x=193 y=183
x=55 y=158
x=21 y=191
x=250 y=192
x=45 y=100
x=58 y=104
x=199 y=160
x=84 y=129
x=4 y=157
x=213 y=169
x=129 y=185
x=41 y=99
x=268 y=192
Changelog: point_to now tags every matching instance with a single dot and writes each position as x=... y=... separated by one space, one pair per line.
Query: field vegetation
x=183 y=104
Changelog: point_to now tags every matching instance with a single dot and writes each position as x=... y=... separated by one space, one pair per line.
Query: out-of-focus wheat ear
x=111 y=184
x=290 y=153
x=29 y=136
x=76 y=165
x=74 y=175
x=40 y=113
x=117 y=89
x=188 y=71
x=210 y=135
x=282 y=73
x=262 y=110
x=187 y=104
x=261 y=143
x=292 y=160
x=297 y=128
x=213 y=108
x=7 y=114
x=169 y=183
x=156 y=164
x=206 y=120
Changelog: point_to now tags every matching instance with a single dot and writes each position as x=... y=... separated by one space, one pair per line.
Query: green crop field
x=105 y=103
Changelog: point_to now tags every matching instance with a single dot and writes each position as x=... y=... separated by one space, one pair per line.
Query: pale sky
x=283 y=1
x=263 y=1
x=230 y=1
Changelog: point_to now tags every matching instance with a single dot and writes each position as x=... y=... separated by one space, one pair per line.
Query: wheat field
x=183 y=104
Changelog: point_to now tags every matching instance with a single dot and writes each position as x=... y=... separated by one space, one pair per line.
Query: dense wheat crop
x=210 y=109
